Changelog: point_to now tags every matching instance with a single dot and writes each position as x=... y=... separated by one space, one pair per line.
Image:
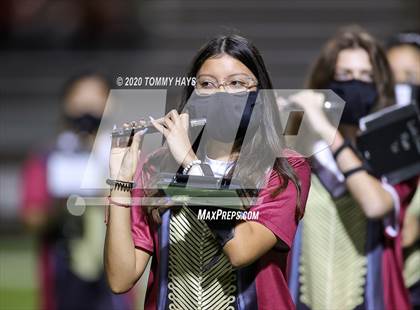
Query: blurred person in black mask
x=348 y=250
x=404 y=57
x=70 y=239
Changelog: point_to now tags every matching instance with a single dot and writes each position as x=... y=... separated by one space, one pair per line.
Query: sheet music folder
x=390 y=142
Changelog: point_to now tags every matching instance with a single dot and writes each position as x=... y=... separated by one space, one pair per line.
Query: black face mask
x=360 y=97
x=228 y=115
x=86 y=123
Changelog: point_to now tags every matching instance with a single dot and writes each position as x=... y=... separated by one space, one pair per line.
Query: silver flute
x=124 y=132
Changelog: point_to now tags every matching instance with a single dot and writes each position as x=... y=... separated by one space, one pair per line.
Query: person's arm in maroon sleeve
x=402 y=194
x=35 y=196
x=276 y=222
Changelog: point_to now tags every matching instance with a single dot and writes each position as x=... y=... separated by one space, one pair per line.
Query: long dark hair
x=350 y=37
x=268 y=141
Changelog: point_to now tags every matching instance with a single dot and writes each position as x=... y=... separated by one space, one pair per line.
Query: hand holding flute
x=174 y=127
x=126 y=142
x=124 y=154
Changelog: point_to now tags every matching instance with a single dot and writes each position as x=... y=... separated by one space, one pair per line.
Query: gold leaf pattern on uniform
x=190 y=284
x=333 y=262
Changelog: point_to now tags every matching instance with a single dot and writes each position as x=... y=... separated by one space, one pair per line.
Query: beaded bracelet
x=189 y=166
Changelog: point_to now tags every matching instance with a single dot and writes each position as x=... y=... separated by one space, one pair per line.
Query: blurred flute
x=124 y=132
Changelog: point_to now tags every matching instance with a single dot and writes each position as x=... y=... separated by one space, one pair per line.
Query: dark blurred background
x=44 y=42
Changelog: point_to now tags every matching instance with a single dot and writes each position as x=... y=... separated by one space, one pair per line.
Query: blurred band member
x=349 y=250
x=404 y=57
x=70 y=245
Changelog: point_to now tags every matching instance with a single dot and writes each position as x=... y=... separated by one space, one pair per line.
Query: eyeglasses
x=206 y=85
